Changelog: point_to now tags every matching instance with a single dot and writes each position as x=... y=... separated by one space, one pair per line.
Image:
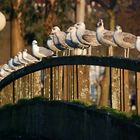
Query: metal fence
x=67 y=78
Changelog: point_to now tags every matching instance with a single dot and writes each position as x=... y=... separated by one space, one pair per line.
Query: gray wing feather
x=45 y=52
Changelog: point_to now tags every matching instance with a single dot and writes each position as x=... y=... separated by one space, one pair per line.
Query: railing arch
x=122 y=63
x=50 y=63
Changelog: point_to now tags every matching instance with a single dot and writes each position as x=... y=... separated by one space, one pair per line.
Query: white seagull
x=72 y=40
x=79 y=46
x=21 y=60
x=3 y=73
x=52 y=44
x=137 y=45
x=87 y=37
x=29 y=58
x=40 y=52
x=11 y=65
x=105 y=37
x=124 y=40
x=7 y=68
x=61 y=36
x=16 y=61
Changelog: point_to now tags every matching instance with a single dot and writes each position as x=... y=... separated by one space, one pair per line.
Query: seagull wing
x=62 y=37
x=108 y=35
x=89 y=32
x=44 y=51
x=130 y=38
x=51 y=45
x=30 y=57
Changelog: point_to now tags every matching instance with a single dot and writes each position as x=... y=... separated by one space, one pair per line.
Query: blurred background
x=33 y=19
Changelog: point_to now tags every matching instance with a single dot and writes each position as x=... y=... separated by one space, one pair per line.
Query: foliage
x=81 y=102
x=34 y=16
x=109 y=111
x=114 y=112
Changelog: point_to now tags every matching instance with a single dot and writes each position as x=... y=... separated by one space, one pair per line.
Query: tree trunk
x=50 y=16
x=80 y=10
x=16 y=36
x=83 y=70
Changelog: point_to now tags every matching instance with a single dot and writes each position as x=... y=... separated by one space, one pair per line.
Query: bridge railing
x=67 y=78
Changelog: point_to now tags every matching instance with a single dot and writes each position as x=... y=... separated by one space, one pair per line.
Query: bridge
x=58 y=79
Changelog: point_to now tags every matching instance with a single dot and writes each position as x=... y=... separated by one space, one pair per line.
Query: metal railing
x=60 y=78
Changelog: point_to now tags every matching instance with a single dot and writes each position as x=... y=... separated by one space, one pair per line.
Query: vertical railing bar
x=51 y=83
x=110 y=86
x=77 y=80
x=13 y=91
x=42 y=83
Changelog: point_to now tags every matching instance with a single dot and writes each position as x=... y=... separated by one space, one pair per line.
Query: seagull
x=3 y=73
x=16 y=61
x=105 y=37
x=61 y=36
x=124 y=40
x=137 y=45
x=7 y=68
x=69 y=39
x=74 y=39
x=40 y=52
x=11 y=65
x=29 y=58
x=21 y=60
x=87 y=37
x=53 y=44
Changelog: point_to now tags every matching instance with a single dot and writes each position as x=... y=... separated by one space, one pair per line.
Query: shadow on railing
x=61 y=78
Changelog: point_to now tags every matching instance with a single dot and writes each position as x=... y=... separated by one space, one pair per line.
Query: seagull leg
x=127 y=55
x=110 y=51
x=89 y=51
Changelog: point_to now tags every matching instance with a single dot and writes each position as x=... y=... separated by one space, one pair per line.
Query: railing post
x=137 y=75
x=13 y=91
x=51 y=83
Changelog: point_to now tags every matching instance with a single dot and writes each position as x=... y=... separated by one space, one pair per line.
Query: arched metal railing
x=122 y=64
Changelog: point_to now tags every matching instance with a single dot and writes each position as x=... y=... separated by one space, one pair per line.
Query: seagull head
x=25 y=50
x=34 y=42
x=138 y=37
x=71 y=29
x=118 y=28
x=100 y=23
x=55 y=29
x=80 y=25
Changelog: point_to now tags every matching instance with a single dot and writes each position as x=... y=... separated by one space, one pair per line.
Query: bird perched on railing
x=61 y=36
x=17 y=63
x=53 y=44
x=124 y=40
x=11 y=65
x=105 y=37
x=3 y=73
x=7 y=68
x=74 y=40
x=21 y=60
x=69 y=40
x=29 y=58
x=40 y=52
x=86 y=37
x=137 y=45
